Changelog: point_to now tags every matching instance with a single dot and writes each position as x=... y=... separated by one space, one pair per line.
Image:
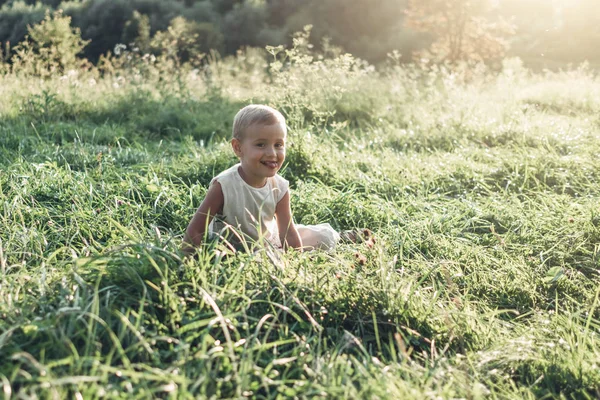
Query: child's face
x=261 y=152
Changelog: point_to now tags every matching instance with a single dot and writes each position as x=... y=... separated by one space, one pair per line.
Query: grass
x=481 y=188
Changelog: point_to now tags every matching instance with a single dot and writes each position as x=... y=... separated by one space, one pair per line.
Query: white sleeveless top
x=250 y=210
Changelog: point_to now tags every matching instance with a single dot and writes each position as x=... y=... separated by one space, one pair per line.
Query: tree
x=459 y=29
x=243 y=25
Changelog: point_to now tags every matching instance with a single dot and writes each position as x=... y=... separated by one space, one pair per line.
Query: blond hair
x=255 y=114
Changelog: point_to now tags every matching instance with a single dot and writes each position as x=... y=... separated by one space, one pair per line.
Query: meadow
x=481 y=187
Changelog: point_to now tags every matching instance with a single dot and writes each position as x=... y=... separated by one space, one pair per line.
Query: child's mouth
x=270 y=164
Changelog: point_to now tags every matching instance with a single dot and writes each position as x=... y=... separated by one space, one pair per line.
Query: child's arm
x=211 y=205
x=287 y=230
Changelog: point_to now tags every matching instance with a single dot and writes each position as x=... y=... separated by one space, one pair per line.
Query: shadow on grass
x=134 y=116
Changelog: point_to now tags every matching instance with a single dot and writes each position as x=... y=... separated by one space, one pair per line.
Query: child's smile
x=261 y=152
x=271 y=164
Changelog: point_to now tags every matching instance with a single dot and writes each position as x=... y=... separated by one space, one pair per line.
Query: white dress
x=249 y=213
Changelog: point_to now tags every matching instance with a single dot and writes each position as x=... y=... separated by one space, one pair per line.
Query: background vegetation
x=546 y=34
x=480 y=183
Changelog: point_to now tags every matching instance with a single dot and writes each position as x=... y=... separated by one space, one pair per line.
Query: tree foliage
x=459 y=29
x=437 y=30
x=366 y=28
x=361 y=27
x=15 y=19
x=104 y=21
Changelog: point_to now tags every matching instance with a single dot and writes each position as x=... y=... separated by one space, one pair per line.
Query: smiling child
x=250 y=202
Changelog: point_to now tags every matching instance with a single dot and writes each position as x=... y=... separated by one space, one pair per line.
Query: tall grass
x=480 y=187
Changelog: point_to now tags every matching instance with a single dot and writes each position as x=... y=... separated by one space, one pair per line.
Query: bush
x=50 y=48
x=186 y=41
x=323 y=88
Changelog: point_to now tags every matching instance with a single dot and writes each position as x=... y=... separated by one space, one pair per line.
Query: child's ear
x=236 y=145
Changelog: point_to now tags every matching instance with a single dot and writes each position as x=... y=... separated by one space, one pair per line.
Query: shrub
x=187 y=41
x=51 y=47
x=323 y=88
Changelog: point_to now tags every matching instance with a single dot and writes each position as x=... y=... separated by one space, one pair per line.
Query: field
x=481 y=187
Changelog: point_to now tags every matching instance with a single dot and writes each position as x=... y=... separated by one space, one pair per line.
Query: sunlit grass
x=481 y=191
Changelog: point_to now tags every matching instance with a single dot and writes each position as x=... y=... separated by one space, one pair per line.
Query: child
x=250 y=202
